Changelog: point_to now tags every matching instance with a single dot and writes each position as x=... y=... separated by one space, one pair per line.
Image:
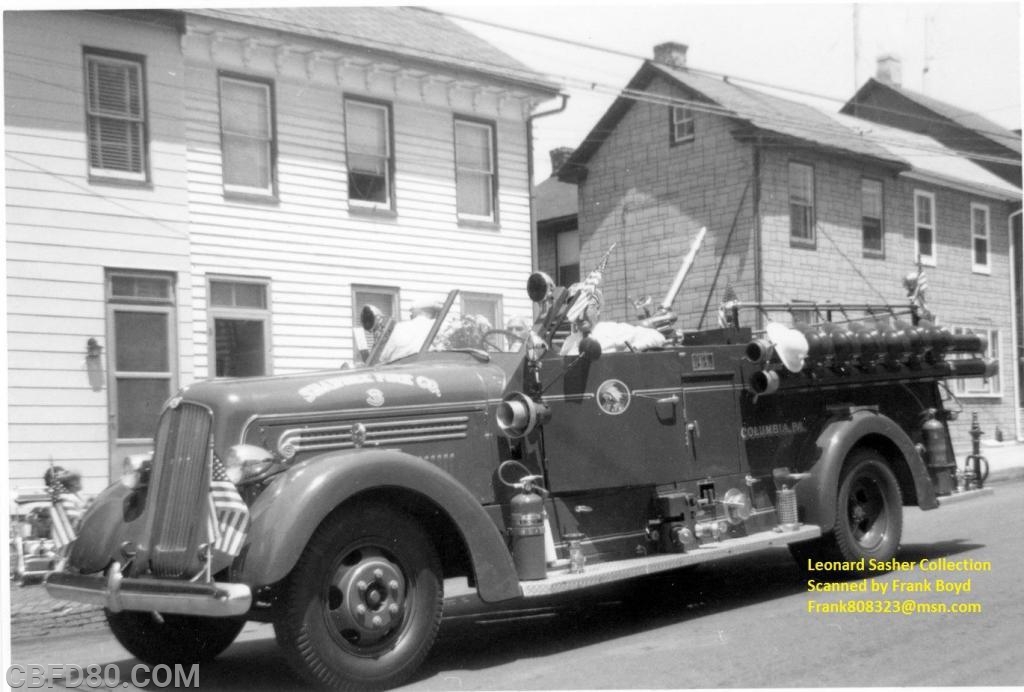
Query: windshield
x=442 y=326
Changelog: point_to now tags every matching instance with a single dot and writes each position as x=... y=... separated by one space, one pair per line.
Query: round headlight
x=247 y=461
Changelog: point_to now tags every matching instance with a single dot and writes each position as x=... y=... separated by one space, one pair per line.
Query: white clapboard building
x=208 y=193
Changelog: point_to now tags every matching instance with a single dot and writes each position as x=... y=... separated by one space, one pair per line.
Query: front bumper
x=116 y=593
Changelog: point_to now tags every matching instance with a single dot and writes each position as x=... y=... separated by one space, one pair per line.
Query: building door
x=142 y=359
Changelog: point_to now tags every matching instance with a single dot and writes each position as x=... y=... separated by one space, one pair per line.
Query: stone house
x=800 y=205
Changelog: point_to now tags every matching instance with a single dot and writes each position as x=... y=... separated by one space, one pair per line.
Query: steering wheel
x=485 y=340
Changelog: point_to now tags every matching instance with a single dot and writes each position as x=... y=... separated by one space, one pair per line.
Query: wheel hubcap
x=366 y=597
x=867 y=512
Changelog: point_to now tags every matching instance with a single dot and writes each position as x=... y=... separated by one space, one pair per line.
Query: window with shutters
x=247 y=136
x=116 y=116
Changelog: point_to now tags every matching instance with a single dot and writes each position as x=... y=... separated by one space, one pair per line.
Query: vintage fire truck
x=335 y=504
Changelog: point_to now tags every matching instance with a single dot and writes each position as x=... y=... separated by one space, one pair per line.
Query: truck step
x=560 y=580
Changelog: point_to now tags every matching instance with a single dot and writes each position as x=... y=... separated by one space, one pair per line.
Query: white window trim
x=812 y=241
x=267 y=191
x=959 y=385
x=213 y=312
x=932 y=259
x=985 y=268
x=686 y=114
x=389 y=194
x=492 y=172
x=143 y=175
x=872 y=252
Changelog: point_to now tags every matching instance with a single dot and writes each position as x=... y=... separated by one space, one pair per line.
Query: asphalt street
x=745 y=622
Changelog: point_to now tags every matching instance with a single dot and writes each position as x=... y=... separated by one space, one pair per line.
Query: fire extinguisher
x=933 y=434
x=528 y=529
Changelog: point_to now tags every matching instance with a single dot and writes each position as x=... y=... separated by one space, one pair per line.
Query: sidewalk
x=35 y=614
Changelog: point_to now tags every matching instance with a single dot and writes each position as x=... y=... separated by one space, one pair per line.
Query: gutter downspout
x=758 y=259
x=1015 y=325
x=534 y=259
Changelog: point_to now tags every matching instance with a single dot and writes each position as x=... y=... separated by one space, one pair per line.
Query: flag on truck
x=229 y=515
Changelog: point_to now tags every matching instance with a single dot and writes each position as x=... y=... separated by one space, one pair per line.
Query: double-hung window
x=475 y=171
x=979 y=238
x=368 y=152
x=247 y=135
x=239 y=321
x=801 y=204
x=873 y=232
x=682 y=127
x=924 y=227
x=979 y=386
x=116 y=116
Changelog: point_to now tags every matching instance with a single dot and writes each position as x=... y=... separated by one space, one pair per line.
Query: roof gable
x=763 y=112
x=968 y=120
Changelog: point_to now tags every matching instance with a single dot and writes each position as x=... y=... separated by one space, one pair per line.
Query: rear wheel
x=170 y=638
x=363 y=604
x=869 y=514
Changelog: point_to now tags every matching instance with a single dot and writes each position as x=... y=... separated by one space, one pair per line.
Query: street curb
x=1004 y=475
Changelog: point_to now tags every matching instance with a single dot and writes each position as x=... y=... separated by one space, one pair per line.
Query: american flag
x=62 y=528
x=229 y=516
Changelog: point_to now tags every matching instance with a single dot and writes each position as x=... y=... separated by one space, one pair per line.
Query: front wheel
x=363 y=604
x=171 y=639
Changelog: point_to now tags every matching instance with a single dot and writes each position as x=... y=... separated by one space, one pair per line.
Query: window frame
x=795 y=240
x=492 y=141
x=873 y=253
x=495 y=298
x=992 y=388
x=389 y=160
x=560 y=265
x=166 y=306
x=674 y=123
x=986 y=267
x=240 y=313
x=932 y=259
x=249 y=191
x=90 y=55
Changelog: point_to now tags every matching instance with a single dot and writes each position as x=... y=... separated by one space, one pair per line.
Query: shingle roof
x=932 y=160
x=965 y=118
x=410 y=31
x=761 y=111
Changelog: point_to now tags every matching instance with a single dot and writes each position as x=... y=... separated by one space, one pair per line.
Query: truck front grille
x=378 y=434
x=179 y=490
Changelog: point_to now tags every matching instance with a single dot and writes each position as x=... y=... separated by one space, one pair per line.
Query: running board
x=560 y=580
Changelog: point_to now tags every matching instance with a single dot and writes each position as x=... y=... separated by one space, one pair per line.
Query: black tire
x=181 y=639
x=869 y=509
x=869 y=515
x=362 y=607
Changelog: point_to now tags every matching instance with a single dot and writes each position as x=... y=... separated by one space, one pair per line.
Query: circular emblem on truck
x=374 y=397
x=613 y=397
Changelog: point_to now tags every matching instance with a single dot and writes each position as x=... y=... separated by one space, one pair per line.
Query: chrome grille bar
x=180 y=488
x=328 y=437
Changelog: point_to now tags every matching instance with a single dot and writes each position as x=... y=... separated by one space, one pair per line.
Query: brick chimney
x=559 y=156
x=890 y=70
x=671 y=53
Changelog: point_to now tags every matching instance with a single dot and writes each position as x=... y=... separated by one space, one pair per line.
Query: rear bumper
x=117 y=593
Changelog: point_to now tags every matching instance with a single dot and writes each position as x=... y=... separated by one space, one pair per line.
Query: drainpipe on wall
x=756 y=201
x=1015 y=316
x=534 y=260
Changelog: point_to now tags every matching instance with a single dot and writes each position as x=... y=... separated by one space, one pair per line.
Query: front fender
x=816 y=495
x=105 y=526
x=285 y=515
